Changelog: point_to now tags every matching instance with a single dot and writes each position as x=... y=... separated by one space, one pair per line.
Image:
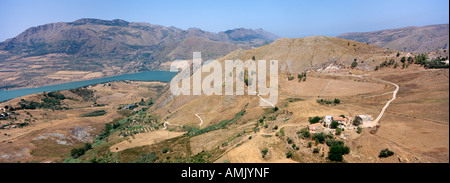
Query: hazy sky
x=285 y=18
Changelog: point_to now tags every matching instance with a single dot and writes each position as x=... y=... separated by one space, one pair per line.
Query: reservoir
x=163 y=76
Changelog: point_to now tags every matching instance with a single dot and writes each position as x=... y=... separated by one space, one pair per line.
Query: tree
x=316 y=150
x=289 y=140
x=410 y=59
x=289 y=154
x=275 y=109
x=398 y=54
x=320 y=137
x=314 y=119
x=385 y=153
x=338 y=131
x=305 y=133
x=334 y=124
x=357 y=121
x=337 y=101
x=337 y=151
x=403 y=59
x=264 y=152
x=354 y=64
x=359 y=130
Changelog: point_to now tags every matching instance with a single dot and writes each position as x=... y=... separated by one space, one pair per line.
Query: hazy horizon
x=290 y=19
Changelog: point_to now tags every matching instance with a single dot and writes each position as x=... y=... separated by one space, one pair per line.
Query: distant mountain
x=113 y=47
x=409 y=39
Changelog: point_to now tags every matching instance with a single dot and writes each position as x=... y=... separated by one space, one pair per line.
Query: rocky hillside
x=112 y=47
x=316 y=52
x=125 y=40
x=409 y=39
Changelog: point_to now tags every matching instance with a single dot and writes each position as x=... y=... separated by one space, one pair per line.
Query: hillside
x=104 y=48
x=408 y=39
x=235 y=128
x=316 y=52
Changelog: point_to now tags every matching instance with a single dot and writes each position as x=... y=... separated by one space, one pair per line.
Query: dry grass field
x=52 y=134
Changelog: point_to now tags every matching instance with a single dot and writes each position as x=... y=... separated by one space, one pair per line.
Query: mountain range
x=408 y=39
x=112 y=47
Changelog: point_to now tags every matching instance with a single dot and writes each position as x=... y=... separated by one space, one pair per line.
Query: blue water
x=164 y=76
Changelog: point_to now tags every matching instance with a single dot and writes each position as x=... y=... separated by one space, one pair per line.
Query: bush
x=385 y=153
x=264 y=152
x=320 y=137
x=338 y=131
x=332 y=142
x=275 y=109
x=289 y=154
x=77 y=152
x=316 y=150
x=147 y=158
x=315 y=119
x=337 y=101
x=334 y=124
x=359 y=131
x=94 y=113
x=304 y=133
x=289 y=140
x=354 y=64
x=165 y=150
x=337 y=151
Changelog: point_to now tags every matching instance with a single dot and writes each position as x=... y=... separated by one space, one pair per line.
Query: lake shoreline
x=148 y=76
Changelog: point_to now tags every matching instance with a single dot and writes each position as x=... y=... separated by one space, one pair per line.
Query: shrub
x=147 y=158
x=385 y=153
x=94 y=113
x=289 y=154
x=77 y=152
x=316 y=150
x=275 y=109
x=315 y=119
x=337 y=151
x=320 y=137
x=359 y=130
x=338 y=131
x=337 y=101
x=354 y=64
x=289 y=140
x=334 y=124
x=304 y=133
x=264 y=152
x=165 y=150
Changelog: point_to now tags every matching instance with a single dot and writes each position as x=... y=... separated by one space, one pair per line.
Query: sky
x=285 y=18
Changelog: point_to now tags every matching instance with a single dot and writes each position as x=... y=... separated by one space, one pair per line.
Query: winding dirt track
x=265 y=100
x=394 y=96
x=167 y=123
